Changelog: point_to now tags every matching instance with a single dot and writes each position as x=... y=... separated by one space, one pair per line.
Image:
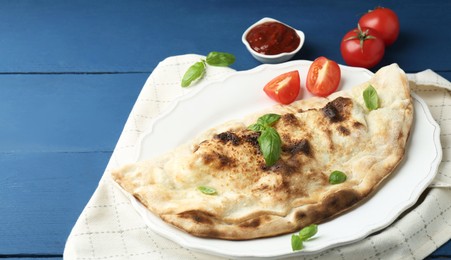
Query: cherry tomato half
x=384 y=21
x=284 y=88
x=362 y=47
x=323 y=77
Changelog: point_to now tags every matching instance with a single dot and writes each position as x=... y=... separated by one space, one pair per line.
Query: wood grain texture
x=42 y=195
x=31 y=257
x=70 y=72
x=65 y=113
x=130 y=36
x=57 y=134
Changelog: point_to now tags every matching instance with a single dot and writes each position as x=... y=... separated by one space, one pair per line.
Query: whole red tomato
x=383 y=20
x=362 y=47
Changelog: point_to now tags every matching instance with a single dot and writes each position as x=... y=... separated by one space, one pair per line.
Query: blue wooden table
x=70 y=72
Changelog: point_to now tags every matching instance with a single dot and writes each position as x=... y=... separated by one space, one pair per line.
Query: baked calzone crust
x=252 y=200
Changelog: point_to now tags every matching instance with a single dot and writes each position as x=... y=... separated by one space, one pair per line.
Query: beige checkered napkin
x=109 y=227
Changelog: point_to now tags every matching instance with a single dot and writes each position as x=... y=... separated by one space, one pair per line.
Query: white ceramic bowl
x=278 y=58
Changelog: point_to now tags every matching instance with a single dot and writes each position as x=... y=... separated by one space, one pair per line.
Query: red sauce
x=272 y=38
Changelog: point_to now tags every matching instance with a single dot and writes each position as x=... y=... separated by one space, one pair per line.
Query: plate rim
x=413 y=197
x=203 y=85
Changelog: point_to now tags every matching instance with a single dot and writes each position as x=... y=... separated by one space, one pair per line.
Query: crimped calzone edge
x=319 y=136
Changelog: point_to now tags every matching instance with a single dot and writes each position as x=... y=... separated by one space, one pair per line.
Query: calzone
x=246 y=199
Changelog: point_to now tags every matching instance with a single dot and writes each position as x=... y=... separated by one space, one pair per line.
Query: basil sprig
x=198 y=69
x=297 y=240
x=371 y=98
x=269 y=140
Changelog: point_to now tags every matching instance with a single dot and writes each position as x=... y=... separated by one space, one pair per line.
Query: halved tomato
x=323 y=77
x=284 y=88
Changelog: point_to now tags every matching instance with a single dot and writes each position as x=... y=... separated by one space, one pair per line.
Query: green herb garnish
x=337 y=177
x=296 y=243
x=207 y=190
x=220 y=59
x=256 y=127
x=297 y=240
x=269 y=140
x=270 y=145
x=268 y=119
x=371 y=98
x=308 y=232
x=198 y=69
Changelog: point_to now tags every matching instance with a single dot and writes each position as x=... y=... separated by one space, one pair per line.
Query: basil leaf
x=308 y=232
x=371 y=98
x=270 y=145
x=196 y=71
x=207 y=190
x=256 y=127
x=269 y=140
x=221 y=59
x=268 y=119
x=296 y=243
x=337 y=177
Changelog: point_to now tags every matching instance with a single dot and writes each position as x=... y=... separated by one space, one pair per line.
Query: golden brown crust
x=318 y=136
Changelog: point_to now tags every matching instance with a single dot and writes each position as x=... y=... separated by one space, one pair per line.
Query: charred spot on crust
x=331 y=112
x=302 y=146
x=223 y=160
x=228 y=137
x=197 y=216
x=284 y=168
x=357 y=124
x=300 y=216
x=332 y=204
x=341 y=200
x=290 y=119
x=335 y=110
x=249 y=137
x=252 y=223
x=252 y=139
x=208 y=158
x=343 y=130
x=263 y=167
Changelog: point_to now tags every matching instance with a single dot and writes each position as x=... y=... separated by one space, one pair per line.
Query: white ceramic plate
x=241 y=94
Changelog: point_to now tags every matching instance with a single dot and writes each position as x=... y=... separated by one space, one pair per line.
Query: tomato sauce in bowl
x=272 y=38
x=271 y=41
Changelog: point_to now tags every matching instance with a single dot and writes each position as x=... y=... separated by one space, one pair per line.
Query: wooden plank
x=443 y=252
x=57 y=134
x=65 y=112
x=114 y=35
x=26 y=257
x=445 y=74
x=42 y=194
x=58 y=131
